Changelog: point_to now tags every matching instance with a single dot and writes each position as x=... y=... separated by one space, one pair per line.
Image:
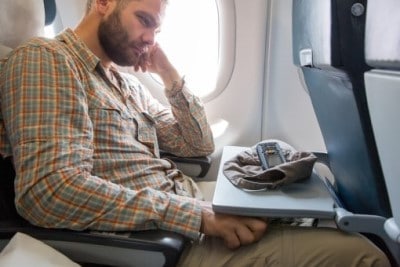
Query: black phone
x=270 y=154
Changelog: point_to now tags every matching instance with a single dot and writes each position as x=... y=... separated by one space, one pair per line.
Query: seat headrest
x=4 y=50
x=382 y=36
x=312 y=33
x=329 y=34
x=20 y=20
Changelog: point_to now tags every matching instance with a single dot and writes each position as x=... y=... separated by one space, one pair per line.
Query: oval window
x=189 y=36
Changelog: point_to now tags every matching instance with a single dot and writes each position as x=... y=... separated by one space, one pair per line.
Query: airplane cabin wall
x=240 y=103
x=265 y=98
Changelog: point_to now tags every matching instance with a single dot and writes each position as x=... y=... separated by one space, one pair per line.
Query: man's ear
x=103 y=6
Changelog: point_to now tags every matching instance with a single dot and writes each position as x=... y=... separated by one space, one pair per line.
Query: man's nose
x=149 y=37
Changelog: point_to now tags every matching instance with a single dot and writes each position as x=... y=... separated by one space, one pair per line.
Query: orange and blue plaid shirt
x=86 y=153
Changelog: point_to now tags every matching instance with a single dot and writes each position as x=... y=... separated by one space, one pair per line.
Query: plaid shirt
x=86 y=153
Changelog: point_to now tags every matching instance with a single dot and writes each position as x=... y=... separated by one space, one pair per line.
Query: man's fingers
x=246 y=232
x=257 y=226
x=234 y=230
x=245 y=235
x=231 y=240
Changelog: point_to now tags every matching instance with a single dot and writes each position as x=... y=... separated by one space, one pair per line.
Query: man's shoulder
x=32 y=46
x=41 y=49
x=45 y=44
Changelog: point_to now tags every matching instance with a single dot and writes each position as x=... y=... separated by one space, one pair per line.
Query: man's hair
x=120 y=3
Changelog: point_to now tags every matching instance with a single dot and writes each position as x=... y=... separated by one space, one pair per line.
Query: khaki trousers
x=282 y=246
x=288 y=246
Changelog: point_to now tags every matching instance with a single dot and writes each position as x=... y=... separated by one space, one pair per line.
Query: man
x=85 y=140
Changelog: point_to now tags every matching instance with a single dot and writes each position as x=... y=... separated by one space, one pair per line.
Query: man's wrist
x=169 y=76
x=175 y=87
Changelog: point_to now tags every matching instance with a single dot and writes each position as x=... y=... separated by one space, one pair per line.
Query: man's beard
x=115 y=41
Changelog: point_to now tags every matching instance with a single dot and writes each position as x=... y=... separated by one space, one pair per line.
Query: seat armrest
x=190 y=166
x=142 y=248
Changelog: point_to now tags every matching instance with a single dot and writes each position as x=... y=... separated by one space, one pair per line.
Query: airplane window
x=189 y=36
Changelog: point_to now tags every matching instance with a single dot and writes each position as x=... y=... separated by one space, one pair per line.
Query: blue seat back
x=328 y=46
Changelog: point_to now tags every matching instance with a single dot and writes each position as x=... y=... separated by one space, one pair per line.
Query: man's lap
x=290 y=247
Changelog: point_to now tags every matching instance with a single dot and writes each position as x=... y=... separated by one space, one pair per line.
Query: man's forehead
x=151 y=4
x=155 y=8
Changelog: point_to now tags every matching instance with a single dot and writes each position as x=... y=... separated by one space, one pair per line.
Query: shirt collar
x=79 y=48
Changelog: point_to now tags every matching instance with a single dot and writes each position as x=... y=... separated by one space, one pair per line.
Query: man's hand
x=156 y=61
x=234 y=230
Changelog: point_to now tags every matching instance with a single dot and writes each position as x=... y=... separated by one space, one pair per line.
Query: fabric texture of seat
x=383 y=92
x=382 y=40
x=30 y=22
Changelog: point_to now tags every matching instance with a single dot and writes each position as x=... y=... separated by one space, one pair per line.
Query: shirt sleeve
x=44 y=108
x=182 y=129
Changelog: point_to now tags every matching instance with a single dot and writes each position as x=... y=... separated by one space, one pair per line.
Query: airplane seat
x=328 y=48
x=382 y=53
x=21 y=20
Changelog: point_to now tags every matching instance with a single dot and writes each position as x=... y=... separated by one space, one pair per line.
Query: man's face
x=127 y=32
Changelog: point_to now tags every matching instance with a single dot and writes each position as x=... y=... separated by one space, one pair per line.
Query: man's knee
x=355 y=250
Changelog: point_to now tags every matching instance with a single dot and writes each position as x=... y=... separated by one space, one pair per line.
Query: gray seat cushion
x=382 y=35
x=4 y=50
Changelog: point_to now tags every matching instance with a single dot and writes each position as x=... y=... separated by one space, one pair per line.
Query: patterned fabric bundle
x=245 y=171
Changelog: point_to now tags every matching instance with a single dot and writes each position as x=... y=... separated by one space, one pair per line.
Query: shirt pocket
x=110 y=124
x=123 y=129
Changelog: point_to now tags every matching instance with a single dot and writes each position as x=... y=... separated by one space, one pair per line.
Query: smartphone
x=270 y=154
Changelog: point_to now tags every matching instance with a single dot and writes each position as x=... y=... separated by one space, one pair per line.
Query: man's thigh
x=286 y=246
